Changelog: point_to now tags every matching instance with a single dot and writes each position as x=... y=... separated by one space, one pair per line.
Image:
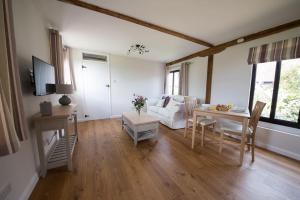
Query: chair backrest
x=190 y=103
x=256 y=113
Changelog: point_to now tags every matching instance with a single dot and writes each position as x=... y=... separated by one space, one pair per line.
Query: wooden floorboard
x=107 y=166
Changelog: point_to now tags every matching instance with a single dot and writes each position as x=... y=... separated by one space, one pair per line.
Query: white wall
x=19 y=169
x=231 y=84
x=128 y=76
x=197 y=78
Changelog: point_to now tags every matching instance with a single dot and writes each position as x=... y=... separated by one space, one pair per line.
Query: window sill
x=281 y=123
x=279 y=128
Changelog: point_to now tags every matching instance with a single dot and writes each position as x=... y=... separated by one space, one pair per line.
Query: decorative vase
x=64 y=100
x=139 y=112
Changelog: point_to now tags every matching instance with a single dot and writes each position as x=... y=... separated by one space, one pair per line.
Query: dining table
x=242 y=117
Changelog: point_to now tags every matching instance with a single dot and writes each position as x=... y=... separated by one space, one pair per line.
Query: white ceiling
x=214 y=21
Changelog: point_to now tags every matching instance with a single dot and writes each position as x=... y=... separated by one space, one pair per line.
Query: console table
x=61 y=152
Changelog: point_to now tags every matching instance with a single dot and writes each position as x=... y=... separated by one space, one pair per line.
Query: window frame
x=173 y=74
x=271 y=119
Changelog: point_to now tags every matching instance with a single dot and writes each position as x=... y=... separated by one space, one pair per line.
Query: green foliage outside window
x=288 y=103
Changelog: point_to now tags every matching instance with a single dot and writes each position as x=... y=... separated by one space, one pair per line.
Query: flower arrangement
x=139 y=102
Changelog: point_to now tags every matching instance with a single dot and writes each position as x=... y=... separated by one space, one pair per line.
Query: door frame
x=109 y=79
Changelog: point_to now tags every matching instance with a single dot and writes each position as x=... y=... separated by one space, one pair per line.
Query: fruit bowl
x=221 y=107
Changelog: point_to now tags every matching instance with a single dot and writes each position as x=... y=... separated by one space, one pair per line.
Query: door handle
x=107 y=85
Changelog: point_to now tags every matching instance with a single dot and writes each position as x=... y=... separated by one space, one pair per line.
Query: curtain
x=183 y=79
x=56 y=50
x=69 y=76
x=167 y=71
x=9 y=142
x=12 y=118
x=276 y=51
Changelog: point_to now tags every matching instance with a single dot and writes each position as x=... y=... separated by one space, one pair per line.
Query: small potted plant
x=139 y=102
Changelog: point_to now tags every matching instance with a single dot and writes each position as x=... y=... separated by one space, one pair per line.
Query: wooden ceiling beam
x=135 y=21
x=248 y=38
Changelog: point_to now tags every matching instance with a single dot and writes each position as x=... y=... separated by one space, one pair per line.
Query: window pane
x=264 y=84
x=170 y=83
x=176 y=83
x=288 y=102
x=67 y=72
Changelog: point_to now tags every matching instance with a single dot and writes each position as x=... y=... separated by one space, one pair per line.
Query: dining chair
x=190 y=104
x=235 y=129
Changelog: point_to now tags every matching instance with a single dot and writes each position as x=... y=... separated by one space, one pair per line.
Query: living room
x=120 y=49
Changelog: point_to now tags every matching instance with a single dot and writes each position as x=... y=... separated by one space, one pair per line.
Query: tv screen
x=44 y=77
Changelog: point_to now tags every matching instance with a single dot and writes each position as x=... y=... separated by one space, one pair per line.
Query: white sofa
x=173 y=115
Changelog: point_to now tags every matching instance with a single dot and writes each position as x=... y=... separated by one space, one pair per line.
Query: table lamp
x=64 y=89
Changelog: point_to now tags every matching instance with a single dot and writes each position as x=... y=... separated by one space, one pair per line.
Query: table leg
x=202 y=135
x=157 y=131
x=135 y=135
x=60 y=133
x=194 y=129
x=122 y=123
x=43 y=160
x=75 y=125
x=68 y=152
x=244 y=134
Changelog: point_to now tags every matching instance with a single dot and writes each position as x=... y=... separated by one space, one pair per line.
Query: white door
x=96 y=89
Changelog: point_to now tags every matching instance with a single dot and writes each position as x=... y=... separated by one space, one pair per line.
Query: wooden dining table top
x=245 y=114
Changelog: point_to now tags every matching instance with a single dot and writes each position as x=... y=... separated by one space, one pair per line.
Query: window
x=278 y=85
x=173 y=82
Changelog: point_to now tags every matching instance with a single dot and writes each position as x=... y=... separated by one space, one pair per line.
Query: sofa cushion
x=173 y=106
x=172 y=103
x=153 y=109
x=160 y=103
x=165 y=113
x=178 y=98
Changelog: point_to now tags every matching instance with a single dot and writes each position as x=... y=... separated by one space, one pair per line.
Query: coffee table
x=140 y=127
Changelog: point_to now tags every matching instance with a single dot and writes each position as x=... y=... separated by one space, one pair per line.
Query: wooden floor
x=108 y=166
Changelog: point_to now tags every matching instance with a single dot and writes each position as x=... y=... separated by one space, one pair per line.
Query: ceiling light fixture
x=139 y=48
x=240 y=40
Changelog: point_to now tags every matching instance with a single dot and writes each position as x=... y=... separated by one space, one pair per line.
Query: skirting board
x=278 y=150
x=83 y=120
x=31 y=185
x=115 y=116
x=111 y=117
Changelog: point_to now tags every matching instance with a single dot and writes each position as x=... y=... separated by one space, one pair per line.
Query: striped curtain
x=276 y=51
x=69 y=74
x=183 y=79
x=13 y=126
x=9 y=142
x=56 y=50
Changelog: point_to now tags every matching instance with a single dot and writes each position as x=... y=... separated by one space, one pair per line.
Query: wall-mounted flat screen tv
x=43 y=76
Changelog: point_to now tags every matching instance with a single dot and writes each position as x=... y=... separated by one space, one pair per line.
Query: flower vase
x=139 y=112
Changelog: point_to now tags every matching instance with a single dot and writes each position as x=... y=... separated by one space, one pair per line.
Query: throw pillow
x=167 y=99
x=160 y=103
x=172 y=106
